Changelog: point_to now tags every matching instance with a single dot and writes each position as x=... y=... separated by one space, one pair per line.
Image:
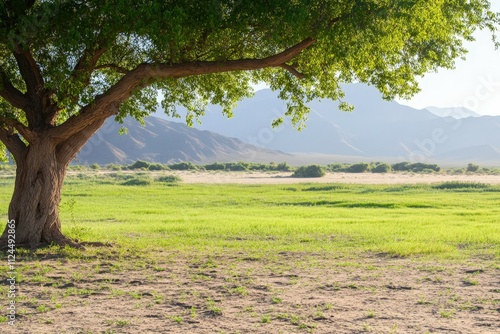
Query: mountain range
x=375 y=130
x=165 y=142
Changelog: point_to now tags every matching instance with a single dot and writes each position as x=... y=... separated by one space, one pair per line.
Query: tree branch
x=293 y=70
x=13 y=143
x=68 y=149
x=35 y=92
x=85 y=67
x=30 y=71
x=20 y=127
x=143 y=75
x=10 y=93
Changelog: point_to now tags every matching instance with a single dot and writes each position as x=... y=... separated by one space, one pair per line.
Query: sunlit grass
x=404 y=220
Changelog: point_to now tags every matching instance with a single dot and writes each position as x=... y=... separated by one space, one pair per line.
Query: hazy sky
x=475 y=83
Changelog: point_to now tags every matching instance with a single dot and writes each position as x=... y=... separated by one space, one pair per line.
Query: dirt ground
x=290 y=293
x=363 y=178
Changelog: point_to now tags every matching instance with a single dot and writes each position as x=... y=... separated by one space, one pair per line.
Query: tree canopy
x=73 y=55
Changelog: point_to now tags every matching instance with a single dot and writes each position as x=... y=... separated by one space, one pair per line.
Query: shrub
x=361 y=167
x=215 y=166
x=416 y=167
x=262 y=167
x=157 y=167
x=95 y=166
x=309 y=171
x=421 y=167
x=113 y=167
x=169 y=179
x=137 y=182
x=382 y=168
x=237 y=166
x=139 y=164
x=337 y=167
x=283 y=167
x=183 y=166
x=472 y=168
x=401 y=166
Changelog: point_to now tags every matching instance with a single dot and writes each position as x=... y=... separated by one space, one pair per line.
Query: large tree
x=67 y=66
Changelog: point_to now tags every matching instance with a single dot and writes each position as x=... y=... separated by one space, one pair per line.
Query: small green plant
x=177 y=318
x=294 y=319
x=446 y=313
x=394 y=329
x=213 y=308
x=42 y=308
x=471 y=281
x=265 y=319
x=239 y=290
x=122 y=323
x=277 y=300
x=371 y=314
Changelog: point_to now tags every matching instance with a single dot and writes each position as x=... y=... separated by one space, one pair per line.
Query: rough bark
x=37 y=192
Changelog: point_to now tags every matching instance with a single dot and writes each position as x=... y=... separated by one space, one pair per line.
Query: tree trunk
x=37 y=193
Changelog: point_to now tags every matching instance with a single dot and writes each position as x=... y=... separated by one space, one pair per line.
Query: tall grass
x=401 y=220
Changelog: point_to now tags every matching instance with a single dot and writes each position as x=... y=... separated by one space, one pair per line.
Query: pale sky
x=475 y=83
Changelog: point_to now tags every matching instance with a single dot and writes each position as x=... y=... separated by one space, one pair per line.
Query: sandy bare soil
x=292 y=293
x=363 y=178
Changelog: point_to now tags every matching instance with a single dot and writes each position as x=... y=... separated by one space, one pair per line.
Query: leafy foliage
x=309 y=171
x=387 y=44
x=361 y=167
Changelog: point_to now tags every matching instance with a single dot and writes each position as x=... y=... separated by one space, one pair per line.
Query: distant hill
x=457 y=113
x=376 y=129
x=168 y=142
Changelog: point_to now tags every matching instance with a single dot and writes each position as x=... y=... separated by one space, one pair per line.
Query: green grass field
x=301 y=258
x=399 y=220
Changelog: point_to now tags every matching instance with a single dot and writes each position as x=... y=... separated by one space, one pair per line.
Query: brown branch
x=10 y=93
x=13 y=143
x=20 y=127
x=293 y=70
x=68 y=149
x=30 y=71
x=143 y=75
x=85 y=67
x=87 y=62
x=35 y=92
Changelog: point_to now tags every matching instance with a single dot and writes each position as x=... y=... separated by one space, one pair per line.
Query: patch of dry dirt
x=290 y=293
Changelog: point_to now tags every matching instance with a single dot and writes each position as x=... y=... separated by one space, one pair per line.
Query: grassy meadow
x=445 y=221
